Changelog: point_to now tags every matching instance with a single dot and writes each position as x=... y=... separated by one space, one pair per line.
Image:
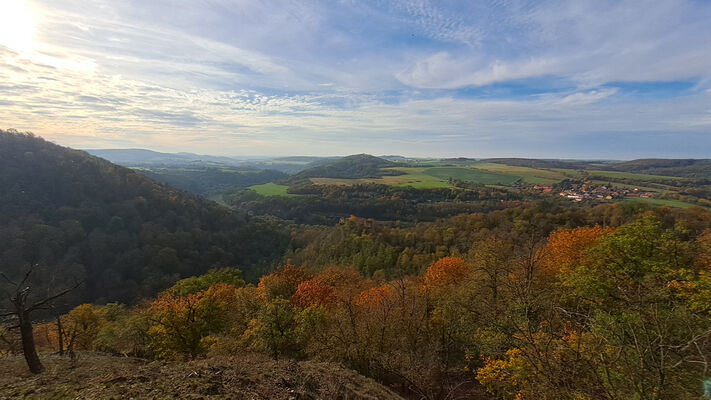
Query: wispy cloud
x=416 y=77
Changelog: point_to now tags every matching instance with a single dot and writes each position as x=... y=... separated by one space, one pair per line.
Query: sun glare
x=17 y=25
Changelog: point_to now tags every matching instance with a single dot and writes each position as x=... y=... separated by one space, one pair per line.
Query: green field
x=473 y=175
x=662 y=202
x=494 y=174
x=414 y=177
x=438 y=177
x=272 y=189
x=630 y=175
x=529 y=175
x=628 y=186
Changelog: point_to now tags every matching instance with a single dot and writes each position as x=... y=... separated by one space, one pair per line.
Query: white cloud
x=587 y=42
x=244 y=77
x=443 y=72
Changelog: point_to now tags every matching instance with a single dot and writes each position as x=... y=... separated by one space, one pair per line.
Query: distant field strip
x=473 y=175
x=528 y=175
x=272 y=189
x=432 y=177
x=630 y=175
x=414 y=177
x=629 y=186
x=662 y=202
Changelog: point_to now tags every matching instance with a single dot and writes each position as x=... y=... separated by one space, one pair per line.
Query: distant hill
x=688 y=168
x=137 y=157
x=123 y=234
x=350 y=167
x=304 y=159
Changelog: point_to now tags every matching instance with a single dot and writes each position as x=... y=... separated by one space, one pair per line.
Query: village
x=580 y=192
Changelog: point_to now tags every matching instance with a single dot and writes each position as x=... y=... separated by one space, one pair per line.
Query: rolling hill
x=350 y=167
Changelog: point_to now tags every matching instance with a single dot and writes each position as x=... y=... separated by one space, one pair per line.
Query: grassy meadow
x=272 y=189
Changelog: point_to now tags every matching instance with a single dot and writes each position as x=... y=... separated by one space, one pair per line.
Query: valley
x=404 y=278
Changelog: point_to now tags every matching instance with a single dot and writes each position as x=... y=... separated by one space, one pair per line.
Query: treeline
x=82 y=219
x=590 y=312
x=328 y=204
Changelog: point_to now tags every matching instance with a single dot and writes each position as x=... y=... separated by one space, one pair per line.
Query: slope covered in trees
x=350 y=167
x=574 y=310
x=81 y=218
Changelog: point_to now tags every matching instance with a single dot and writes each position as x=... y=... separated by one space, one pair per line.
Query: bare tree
x=21 y=310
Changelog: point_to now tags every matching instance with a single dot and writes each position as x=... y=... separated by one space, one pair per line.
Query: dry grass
x=96 y=376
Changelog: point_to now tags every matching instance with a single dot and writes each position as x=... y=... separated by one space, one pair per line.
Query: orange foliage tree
x=313 y=293
x=375 y=296
x=446 y=271
x=182 y=323
x=282 y=283
x=567 y=246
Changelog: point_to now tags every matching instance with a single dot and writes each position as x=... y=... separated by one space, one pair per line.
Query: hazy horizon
x=267 y=156
x=536 y=79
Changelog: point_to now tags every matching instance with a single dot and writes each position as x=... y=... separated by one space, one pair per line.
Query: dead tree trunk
x=22 y=312
x=28 y=340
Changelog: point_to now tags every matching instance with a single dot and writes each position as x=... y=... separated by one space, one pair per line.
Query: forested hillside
x=81 y=218
x=531 y=303
x=355 y=166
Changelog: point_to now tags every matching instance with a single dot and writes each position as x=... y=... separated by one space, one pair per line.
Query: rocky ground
x=95 y=376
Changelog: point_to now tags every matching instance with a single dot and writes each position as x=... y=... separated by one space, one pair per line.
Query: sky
x=487 y=78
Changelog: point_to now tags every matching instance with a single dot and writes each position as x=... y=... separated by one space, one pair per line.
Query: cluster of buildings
x=580 y=192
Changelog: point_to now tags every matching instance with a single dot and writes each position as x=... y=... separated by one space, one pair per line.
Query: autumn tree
x=276 y=329
x=192 y=285
x=282 y=283
x=313 y=293
x=616 y=334
x=566 y=247
x=180 y=323
x=124 y=332
x=81 y=326
x=490 y=259
x=446 y=271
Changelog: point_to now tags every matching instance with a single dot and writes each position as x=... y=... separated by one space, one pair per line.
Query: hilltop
x=350 y=167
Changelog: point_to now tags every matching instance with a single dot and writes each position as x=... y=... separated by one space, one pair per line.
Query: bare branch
x=41 y=303
x=2 y=274
x=27 y=275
